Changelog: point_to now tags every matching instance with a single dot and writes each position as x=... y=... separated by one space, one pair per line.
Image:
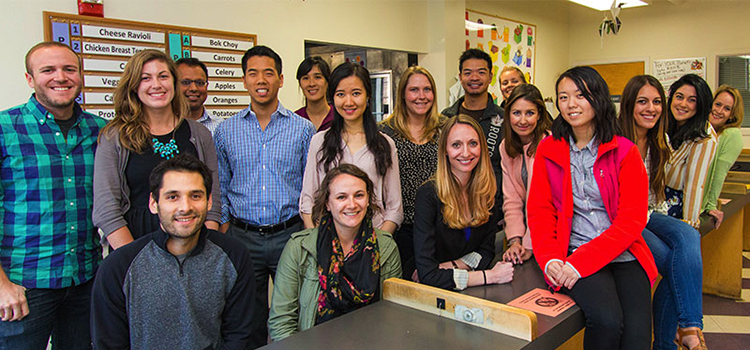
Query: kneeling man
x=181 y=287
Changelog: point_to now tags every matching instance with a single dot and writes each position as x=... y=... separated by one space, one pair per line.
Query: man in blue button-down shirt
x=262 y=152
x=49 y=248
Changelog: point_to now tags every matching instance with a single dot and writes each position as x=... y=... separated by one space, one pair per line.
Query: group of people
x=330 y=203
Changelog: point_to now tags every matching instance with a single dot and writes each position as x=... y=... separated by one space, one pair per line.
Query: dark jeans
x=62 y=313
x=265 y=250
x=405 y=242
x=616 y=302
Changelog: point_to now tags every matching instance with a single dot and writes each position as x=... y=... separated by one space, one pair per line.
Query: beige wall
x=662 y=31
x=283 y=25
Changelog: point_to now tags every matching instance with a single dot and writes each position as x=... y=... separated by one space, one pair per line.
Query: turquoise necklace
x=165 y=150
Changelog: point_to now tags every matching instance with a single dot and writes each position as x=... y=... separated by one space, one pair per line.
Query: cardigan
x=294 y=303
x=386 y=189
x=111 y=192
x=515 y=194
x=550 y=206
x=729 y=148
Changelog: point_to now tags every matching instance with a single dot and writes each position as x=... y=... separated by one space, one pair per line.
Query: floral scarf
x=346 y=282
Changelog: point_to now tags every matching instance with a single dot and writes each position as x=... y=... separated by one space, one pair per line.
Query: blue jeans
x=678 y=299
x=63 y=313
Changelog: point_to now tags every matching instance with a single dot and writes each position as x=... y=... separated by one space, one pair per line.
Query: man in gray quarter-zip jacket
x=181 y=287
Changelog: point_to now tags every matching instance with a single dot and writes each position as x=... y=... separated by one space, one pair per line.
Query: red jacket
x=550 y=207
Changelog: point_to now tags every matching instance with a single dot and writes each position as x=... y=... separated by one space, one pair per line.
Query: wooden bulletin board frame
x=104 y=45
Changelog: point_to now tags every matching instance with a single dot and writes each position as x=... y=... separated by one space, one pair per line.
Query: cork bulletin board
x=617 y=75
x=105 y=45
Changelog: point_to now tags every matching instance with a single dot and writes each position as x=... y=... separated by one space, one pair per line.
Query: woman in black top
x=454 y=224
x=414 y=127
x=147 y=129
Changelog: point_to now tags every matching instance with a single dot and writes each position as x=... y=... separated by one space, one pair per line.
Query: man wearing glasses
x=193 y=78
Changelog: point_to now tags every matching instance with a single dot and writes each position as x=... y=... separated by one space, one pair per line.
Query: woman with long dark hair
x=693 y=142
x=674 y=244
x=587 y=209
x=529 y=123
x=354 y=138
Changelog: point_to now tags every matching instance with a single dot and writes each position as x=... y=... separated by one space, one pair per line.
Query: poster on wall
x=509 y=43
x=668 y=71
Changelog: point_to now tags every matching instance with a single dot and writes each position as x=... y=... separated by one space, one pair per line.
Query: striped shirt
x=209 y=121
x=686 y=171
x=47 y=238
x=260 y=171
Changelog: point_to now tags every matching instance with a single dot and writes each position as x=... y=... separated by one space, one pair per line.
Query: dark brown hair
x=321 y=195
x=513 y=144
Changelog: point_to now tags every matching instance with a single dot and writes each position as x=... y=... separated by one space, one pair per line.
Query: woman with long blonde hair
x=454 y=224
x=149 y=127
x=727 y=113
x=414 y=127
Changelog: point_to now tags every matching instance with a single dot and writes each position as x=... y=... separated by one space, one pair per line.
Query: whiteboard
x=669 y=71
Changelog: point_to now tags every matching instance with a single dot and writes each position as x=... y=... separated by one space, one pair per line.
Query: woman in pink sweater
x=529 y=124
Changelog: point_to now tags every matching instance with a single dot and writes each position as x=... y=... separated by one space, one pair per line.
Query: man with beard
x=181 y=287
x=475 y=72
x=49 y=248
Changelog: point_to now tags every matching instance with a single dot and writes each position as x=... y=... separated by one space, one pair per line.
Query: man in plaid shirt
x=49 y=249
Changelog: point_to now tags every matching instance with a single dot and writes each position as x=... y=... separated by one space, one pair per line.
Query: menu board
x=105 y=45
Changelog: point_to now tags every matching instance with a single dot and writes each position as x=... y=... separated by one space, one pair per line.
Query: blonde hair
x=513 y=69
x=130 y=121
x=398 y=120
x=738 y=110
x=480 y=190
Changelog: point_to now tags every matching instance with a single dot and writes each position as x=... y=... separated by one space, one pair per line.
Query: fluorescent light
x=474 y=26
x=604 y=5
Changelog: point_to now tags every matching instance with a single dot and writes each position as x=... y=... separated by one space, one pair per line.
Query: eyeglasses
x=198 y=83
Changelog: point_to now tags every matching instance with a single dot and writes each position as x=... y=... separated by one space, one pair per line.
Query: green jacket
x=296 y=286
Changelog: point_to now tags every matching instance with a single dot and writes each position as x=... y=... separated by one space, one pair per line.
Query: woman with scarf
x=338 y=266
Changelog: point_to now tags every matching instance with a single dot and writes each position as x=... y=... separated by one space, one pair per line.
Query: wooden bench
x=722 y=248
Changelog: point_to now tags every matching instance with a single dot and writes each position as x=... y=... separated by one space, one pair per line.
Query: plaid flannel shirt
x=47 y=239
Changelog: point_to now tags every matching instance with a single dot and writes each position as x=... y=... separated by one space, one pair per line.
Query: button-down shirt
x=48 y=240
x=260 y=171
x=590 y=217
x=210 y=121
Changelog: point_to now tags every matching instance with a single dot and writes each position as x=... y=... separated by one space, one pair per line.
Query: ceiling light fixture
x=603 y=5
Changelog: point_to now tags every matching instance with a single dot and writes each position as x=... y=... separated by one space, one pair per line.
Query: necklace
x=166 y=150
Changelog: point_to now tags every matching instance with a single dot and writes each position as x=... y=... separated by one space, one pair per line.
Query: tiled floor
x=726 y=322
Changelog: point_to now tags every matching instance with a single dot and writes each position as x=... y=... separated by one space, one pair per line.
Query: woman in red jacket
x=587 y=208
